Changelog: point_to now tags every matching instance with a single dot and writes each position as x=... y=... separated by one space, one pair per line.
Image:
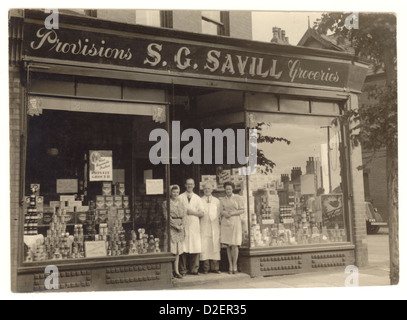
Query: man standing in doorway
x=192 y=244
x=210 y=231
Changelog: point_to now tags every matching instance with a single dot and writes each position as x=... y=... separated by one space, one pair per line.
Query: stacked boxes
x=117 y=244
x=208 y=179
x=31 y=217
x=78 y=249
x=58 y=243
x=109 y=204
x=91 y=223
x=286 y=215
x=40 y=253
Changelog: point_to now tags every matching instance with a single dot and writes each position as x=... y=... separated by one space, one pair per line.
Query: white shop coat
x=210 y=229
x=192 y=242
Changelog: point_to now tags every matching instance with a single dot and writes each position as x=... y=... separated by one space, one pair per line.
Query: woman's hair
x=174 y=187
x=229 y=184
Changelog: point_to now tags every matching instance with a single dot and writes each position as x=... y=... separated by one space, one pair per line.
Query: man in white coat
x=192 y=244
x=210 y=231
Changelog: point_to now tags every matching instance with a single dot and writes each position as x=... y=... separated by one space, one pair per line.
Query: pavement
x=375 y=274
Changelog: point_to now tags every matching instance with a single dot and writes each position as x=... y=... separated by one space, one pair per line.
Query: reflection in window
x=301 y=201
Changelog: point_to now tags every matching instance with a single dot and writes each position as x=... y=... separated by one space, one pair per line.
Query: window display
x=296 y=196
x=86 y=189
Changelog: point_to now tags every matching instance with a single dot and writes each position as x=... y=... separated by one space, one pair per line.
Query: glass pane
x=213 y=15
x=210 y=28
x=91 y=199
x=329 y=108
x=148 y=17
x=296 y=196
x=294 y=105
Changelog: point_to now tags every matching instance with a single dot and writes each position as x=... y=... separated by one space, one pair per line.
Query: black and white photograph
x=177 y=149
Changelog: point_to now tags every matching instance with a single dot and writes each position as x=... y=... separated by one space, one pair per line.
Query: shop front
x=90 y=195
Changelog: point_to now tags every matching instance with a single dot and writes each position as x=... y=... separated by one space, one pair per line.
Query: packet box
x=36 y=187
x=81 y=217
x=102 y=215
x=118 y=201
x=69 y=217
x=100 y=202
x=127 y=215
x=126 y=202
x=67 y=198
x=109 y=201
x=120 y=214
x=107 y=189
x=206 y=178
x=82 y=209
x=75 y=204
x=120 y=189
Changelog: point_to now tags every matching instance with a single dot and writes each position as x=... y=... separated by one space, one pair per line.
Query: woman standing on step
x=232 y=208
x=177 y=226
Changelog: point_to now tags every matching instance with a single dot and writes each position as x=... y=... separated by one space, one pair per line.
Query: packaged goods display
x=281 y=215
x=107 y=218
x=217 y=181
x=31 y=216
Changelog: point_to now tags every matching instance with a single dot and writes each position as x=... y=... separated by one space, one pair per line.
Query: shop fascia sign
x=92 y=47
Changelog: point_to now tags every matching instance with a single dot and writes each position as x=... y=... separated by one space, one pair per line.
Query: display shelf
x=73 y=224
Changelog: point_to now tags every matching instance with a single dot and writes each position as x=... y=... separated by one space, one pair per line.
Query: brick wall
x=358 y=203
x=15 y=162
x=241 y=25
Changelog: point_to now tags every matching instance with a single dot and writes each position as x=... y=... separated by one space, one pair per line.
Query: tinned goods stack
x=31 y=217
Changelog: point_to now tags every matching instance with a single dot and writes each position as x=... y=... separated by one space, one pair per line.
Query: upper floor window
x=148 y=17
x=214 y=22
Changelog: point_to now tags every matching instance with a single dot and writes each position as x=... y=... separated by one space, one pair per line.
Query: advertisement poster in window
x=101 y=165
x=332 y=211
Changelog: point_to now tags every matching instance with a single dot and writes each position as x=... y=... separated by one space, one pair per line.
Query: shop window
x=91 y=190
x=214 y=22
x=296 y=197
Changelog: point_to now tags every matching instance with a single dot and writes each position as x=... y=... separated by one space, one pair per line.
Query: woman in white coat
x=210 y=231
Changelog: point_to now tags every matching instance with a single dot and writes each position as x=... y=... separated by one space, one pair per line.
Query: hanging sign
x=100 y=165
x=200 y=59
